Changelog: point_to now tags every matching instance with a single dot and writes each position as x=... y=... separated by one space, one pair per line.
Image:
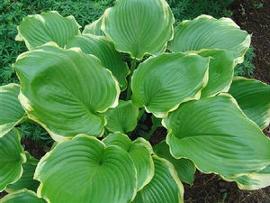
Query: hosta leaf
x=140 y=152
x=94 y=28
x=122 y=118
x=103 y=49
x=11 y=111
x=132 y=26
x=165 y=186
x=85 y=170
x=22 y=196
x=253 y=97
x=64 y=90
x=224 y=140
x=184 y=167
x=11 y=158
x=36 y=30
x=221 y=69
x=255 y=180
x=26 y=180
x=206 y=32
x=162 y=83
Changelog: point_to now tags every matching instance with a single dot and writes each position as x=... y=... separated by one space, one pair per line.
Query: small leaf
x=94 y=28
x=104 y=49
x=36 y=30
x=85 y=170
x=216 y=135
x=22 y=196
x=162 y=83
x=184 y=167
x=140 y=152
x=165 y=186
x=26 y=180
x=122 y=118
x=206 y=32
x=11 y=158
x=253 y=97
x=133 y=27
x=66 y=90
x=11 y=111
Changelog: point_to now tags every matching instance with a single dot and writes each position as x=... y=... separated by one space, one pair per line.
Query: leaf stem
x=133 y=66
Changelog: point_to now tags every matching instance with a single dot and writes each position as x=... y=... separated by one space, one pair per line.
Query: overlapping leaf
x=22 y=196
x=64 y=90
x=132 y=26
x=162 y=83
x=11 y=111
x=165 y=186
x=224 y=140
x=140 y=152
x=94 y=28
x=36 y=30
x=253 y=97
x=11 y=158
x=206 y=32
x=85 y=170
x=122 y=118
x=104 y=49
x=184 y=167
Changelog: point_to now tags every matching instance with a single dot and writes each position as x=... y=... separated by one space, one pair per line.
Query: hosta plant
x=88 y=88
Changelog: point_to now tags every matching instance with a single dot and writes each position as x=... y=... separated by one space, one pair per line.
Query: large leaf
x=36 y=30
x=206 y=32
x=122 y=118
x=139 y=27
x=140 y=152
x=221 y=71
x=253 y=97
x=26 y=180
x=11 y=158
x=162 y=83
x=184 y=167
x=217 y=136
x=94 y=27
x=22 y=196
x=85 y=170
x=165 y=186
x=11 y=111
x=105 y=51
x=65 y=90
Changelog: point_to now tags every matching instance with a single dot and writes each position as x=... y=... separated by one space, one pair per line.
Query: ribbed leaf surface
x=11 y=111
x=94 y=28
x=85 y=170
x=22 y=196
x=64 y=90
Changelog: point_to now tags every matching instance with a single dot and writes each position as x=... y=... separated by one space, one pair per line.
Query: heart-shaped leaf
x=22 y=196
x=162 y=83
x=132 y=26
x=65 y=90
x=11 y=111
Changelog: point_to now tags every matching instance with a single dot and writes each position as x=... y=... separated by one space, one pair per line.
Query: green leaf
x=26 y=180
x=255 y=180
x=206 y=32
x=217 y=136
x=11 y=111
x=36 y=30
x=85 y=170
x=162 y=83
x=11 y=158
x=184 y=167
x=253 y=97
x=165 y=186
x=94 y=27
x=221 y=71
x=104 y=49
x=22 y=196
x=139 y=27
x=66 y=90
x=140 y=152
x=122 y=118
